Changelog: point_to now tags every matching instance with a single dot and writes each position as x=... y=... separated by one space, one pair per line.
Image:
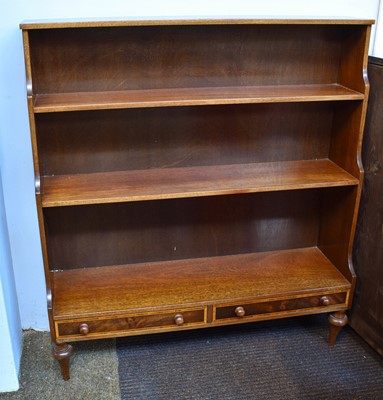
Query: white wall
x=10 y=325
x=15 y=143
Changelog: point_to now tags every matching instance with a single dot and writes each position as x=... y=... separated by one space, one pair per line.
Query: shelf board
x=171 y=183
x=58 y=102
x=144 y=287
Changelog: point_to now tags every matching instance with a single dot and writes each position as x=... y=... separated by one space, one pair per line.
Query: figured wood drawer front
x=137 y=322
x=268 y=307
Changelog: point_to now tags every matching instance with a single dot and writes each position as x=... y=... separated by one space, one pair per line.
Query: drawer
x=144 y=322
x=277 y=306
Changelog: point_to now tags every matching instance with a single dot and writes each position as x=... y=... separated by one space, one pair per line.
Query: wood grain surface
x=168 y=183
x=136 y=21
x=367 y=312
x=157 y=212
x=171 y=137
x=180 y=65
x=191 y=96
x=144 y=287
x=269 y=307
x=147 y=231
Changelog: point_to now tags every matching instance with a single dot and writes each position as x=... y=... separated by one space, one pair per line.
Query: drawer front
x=239 y=311
x=134 y=323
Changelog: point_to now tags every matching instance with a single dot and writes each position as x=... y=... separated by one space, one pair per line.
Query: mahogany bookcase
x=195 y=173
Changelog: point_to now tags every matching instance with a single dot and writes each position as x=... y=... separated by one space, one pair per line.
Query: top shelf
x=170 y=97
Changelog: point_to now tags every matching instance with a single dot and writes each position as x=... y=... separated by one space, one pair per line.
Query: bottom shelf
x=107 y=291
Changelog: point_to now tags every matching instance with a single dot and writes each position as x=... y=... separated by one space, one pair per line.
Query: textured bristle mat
x=285 y=359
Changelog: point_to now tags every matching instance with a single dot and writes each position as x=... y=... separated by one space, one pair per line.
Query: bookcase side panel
x=37 y=176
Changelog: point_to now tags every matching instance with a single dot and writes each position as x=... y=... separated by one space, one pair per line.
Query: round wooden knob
x=324 y=301
x=84 y=329
x=179 y=319
x=240 y=312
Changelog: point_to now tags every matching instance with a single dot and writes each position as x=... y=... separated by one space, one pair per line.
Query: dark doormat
x=285 y=359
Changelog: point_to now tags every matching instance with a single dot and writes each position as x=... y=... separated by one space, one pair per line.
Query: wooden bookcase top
x=136 y=21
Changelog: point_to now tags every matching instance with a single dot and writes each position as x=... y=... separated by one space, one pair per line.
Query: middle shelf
x=193 y=96
x=172 y=183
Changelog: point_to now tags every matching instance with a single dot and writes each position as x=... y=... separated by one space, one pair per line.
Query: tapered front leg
x=337 y=321
x=62 y=352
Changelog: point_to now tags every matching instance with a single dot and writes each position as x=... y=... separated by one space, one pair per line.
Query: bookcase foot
x=62 y=353
x=337 y=321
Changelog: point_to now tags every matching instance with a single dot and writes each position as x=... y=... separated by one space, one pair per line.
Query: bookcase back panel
x=122 y=233
x=114 y=140
x=120 y=58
